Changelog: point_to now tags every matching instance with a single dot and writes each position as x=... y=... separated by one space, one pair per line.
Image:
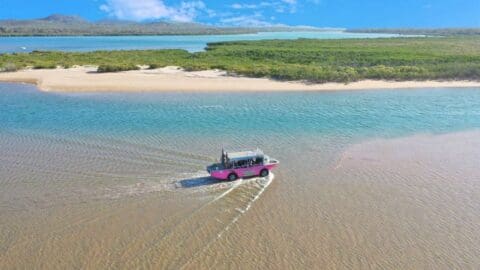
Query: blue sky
x=322 y=13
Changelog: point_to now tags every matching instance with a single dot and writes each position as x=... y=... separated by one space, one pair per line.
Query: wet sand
x=85 y=79
x=406 y=203
x=118 y=181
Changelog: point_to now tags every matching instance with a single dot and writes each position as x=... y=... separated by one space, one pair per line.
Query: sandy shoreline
x=85 y=79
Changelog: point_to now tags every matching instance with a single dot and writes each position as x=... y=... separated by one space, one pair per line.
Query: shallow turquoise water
x=339 y=114
x=190 y=43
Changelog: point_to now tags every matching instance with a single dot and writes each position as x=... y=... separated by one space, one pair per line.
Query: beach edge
x=174 y=79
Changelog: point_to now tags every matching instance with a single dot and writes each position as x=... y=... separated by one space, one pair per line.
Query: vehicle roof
x=244 y=154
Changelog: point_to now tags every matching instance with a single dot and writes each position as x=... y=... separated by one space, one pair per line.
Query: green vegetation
x=44 y=66
x=9 y=67
x=421 y=31
x=116 y=68
x=154 y=66
x=442 y=58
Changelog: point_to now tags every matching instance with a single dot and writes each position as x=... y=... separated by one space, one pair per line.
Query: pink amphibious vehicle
x=236 y=165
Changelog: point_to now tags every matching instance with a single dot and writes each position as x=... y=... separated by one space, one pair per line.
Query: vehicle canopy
x=256 y=156
x=234 y=156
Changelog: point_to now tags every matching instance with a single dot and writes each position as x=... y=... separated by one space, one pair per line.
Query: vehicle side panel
x=241 y=172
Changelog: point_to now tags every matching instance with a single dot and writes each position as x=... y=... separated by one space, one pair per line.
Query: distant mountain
x=64 y=25
x=64 y=19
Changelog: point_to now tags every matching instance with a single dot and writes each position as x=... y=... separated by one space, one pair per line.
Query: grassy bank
x=449 y=58
x=420 y=31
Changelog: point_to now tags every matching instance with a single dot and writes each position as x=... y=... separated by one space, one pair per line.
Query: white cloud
x=279 y=6
x=243 y=12
x=246 y=20
x=240 y=18
x=244 y=6
x=139 y=10
x=257 y=19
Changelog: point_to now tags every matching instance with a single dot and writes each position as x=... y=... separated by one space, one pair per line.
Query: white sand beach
x=86 y=79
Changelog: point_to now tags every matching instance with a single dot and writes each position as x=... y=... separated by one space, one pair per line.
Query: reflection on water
x=117 y=180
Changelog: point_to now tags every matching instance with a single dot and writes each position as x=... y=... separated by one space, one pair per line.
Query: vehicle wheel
x=232 y=177
x=264 y=173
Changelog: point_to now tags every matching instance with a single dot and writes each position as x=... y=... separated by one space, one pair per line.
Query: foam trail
x=236 y=218
x=235 y=184
x=340 y=161
x=270 y=180
x=249 y=205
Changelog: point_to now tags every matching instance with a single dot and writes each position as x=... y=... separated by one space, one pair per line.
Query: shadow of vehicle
x=198 y=182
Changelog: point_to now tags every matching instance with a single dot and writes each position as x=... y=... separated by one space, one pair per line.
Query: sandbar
x=86 y=79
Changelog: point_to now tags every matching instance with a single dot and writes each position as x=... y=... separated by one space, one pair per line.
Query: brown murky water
x=406 y=203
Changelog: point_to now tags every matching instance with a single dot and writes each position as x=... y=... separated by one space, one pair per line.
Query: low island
x=304 y=64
